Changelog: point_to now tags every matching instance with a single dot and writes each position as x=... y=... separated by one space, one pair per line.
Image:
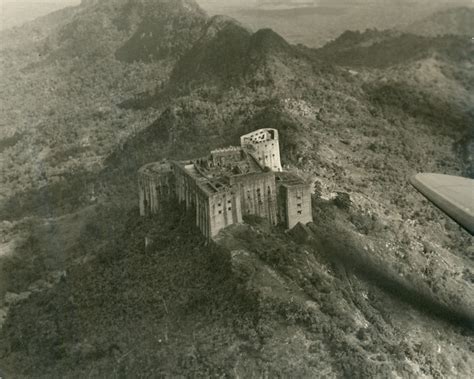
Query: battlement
x=226 y=150
x=258 y=136
x=155 y=168
x=228 y=184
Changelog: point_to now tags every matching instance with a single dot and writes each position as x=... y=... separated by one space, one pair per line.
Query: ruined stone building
x=229 y=184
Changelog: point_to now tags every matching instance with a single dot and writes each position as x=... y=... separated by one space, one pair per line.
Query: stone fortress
x=229 y=184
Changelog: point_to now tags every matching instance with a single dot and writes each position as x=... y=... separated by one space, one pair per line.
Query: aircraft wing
x=454 y=195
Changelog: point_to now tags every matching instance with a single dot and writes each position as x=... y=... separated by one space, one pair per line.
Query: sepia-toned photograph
x=237 y=189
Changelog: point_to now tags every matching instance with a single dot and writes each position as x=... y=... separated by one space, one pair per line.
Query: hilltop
x=228 y=54
x=132 y=30
x=81 y=293
x=381 y=49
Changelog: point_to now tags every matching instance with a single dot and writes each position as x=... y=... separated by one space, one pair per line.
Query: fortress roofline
x=229 y=183
x=286 y=178
x=156 y=168
x=226 y=149
x=261 y=130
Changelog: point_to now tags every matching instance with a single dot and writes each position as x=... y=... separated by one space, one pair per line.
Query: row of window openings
x=249 y=197
x=260 y=138
x=259 y=194
x=257 y=136
x=266 y=157
x=220 y=204
x=299 y=205
x=261 y=202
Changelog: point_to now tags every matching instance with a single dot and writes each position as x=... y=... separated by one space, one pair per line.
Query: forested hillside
x=63 y=72
x=94 y=92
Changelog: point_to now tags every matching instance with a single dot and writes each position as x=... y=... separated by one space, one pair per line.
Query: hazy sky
x=67 y=2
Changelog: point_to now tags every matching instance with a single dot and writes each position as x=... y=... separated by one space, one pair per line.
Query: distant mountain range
x=389 y=48
x=318 y=24
x=456 y=21
x=17 y=12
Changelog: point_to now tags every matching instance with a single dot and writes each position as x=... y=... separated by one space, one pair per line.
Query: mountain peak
x=265 y=40
x=220 y=24
x=220 y=52
x=191 y=3
x=167 y=29
x=229 y=54
x=133 y=30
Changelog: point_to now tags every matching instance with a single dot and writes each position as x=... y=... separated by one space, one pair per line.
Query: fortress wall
x=297 y=200
x=268 y=154
x=282 y=205
x=153 y=190
x=226 y=156
x=224 y=201
x=195 y=198
x=225 y=210
x=214 y=211
x=201 y=205
x=185 y=186
x=257 y=195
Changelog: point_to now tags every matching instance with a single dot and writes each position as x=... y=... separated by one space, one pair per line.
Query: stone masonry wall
x=154 y=189
x=220 y=204
x=257 y=195
x=265 y=147
x=225 y=210
x=298 y=204
x=194 y=197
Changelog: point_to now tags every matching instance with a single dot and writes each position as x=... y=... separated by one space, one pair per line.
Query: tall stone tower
x=264 y=145
x=155 y=186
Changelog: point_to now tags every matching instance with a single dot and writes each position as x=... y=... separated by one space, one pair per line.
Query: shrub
x=343 y=200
